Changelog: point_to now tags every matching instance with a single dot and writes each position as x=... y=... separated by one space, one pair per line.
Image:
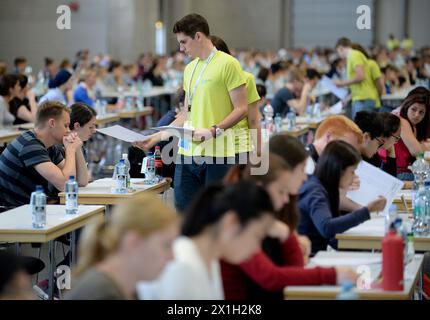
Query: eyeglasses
x=381 y=142
x=396 y=137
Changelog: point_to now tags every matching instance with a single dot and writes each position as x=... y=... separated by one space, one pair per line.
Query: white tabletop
x=399 y=95
x=103 y=186
x=16 y=224
x=101 y=191
x=370 y=262
x=20 y=218
x=369 y=234
x=153 y=92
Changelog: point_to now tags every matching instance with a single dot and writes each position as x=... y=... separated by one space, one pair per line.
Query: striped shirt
x=18 y=177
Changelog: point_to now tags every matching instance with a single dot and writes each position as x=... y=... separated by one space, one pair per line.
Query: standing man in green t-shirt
x=216 y=97
x=359 y=78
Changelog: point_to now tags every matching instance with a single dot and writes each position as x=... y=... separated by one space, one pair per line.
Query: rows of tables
x=94 y=202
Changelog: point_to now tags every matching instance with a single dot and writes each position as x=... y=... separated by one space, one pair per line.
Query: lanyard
x=191 y=94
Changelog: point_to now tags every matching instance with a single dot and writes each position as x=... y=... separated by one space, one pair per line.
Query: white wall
x=125 y=28
x=419 y=22
x=28 y=28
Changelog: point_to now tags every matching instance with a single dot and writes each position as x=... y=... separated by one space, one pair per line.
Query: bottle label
x=71 y=201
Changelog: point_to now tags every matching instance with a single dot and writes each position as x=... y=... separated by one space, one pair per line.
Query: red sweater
x=263 y=272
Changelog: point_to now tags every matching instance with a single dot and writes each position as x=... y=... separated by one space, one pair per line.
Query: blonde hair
x=339 y=125
x=145 y=214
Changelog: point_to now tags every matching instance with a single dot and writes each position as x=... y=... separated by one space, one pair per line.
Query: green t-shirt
x=365 y=89
x=375 y=71
x=241 y=129
x=211 y=103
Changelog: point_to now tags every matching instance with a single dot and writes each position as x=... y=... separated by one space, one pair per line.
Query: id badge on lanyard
x=185 y=142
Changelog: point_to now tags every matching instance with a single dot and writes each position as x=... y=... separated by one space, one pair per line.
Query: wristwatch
x=217 y=132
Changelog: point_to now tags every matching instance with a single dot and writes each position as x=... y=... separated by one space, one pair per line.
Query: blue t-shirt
x=280 y=101
x=81 y=95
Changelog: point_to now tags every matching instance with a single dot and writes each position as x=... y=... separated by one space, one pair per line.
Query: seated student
x=23 y=107
x=372 y=127
x=414 y=114
x=296 y=92
x=15 y=280
x=281 y=260
x=222 y=222
x=386 y=157
x=35 y=158
x=134 y=245
x=333 y=128
x=155 y=73
x=84 y=92
x=83 y=122
x=319 y=197
x=58 y=88
x=114 y=79
x=130 y=74
x=9 y=89
x=20 y=64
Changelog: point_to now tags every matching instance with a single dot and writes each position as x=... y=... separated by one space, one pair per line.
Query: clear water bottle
x=121 y=177
x=71 y=191
x=317 y=111
x=420 y=169
x=390 y=217
x=268 y=117
x=420 y=226
x=291 y=116
x=127 y=165
x=150 y=177
x=278 y=123
x=410 y=248
x=347 y=292
x=38 y=208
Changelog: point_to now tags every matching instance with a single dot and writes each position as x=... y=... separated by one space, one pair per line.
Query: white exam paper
x=336 y=108
x=373 y=183
x=121 y=133
x=181 y=131
x=341 y=93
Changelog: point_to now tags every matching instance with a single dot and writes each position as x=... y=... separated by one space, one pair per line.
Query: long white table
x=153 y=92
x=16 y=226
x=100 y=191
x=370 y=264
x=368 y=235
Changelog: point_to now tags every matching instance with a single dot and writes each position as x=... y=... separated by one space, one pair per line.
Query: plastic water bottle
x=127 y=166
x=410 y=248
x=317 y=111
x=71 y=191
x=150 y=169
x=420 y=169
x=420 y=226
x=291 y=116
x=278 y=123
x=268 y=118
x=347 y=292
x=390 y=217
x=121 y=177
x=38 y=208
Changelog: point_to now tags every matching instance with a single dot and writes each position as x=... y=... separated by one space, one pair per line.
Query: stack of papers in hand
x=123 y=134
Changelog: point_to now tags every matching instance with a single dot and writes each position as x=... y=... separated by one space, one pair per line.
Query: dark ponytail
x=245 y=198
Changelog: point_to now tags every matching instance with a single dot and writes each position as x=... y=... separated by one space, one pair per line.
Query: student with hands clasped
x=36 y=157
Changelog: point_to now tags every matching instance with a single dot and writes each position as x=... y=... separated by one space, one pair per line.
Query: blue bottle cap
x=39 y=188
x=72 y=178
